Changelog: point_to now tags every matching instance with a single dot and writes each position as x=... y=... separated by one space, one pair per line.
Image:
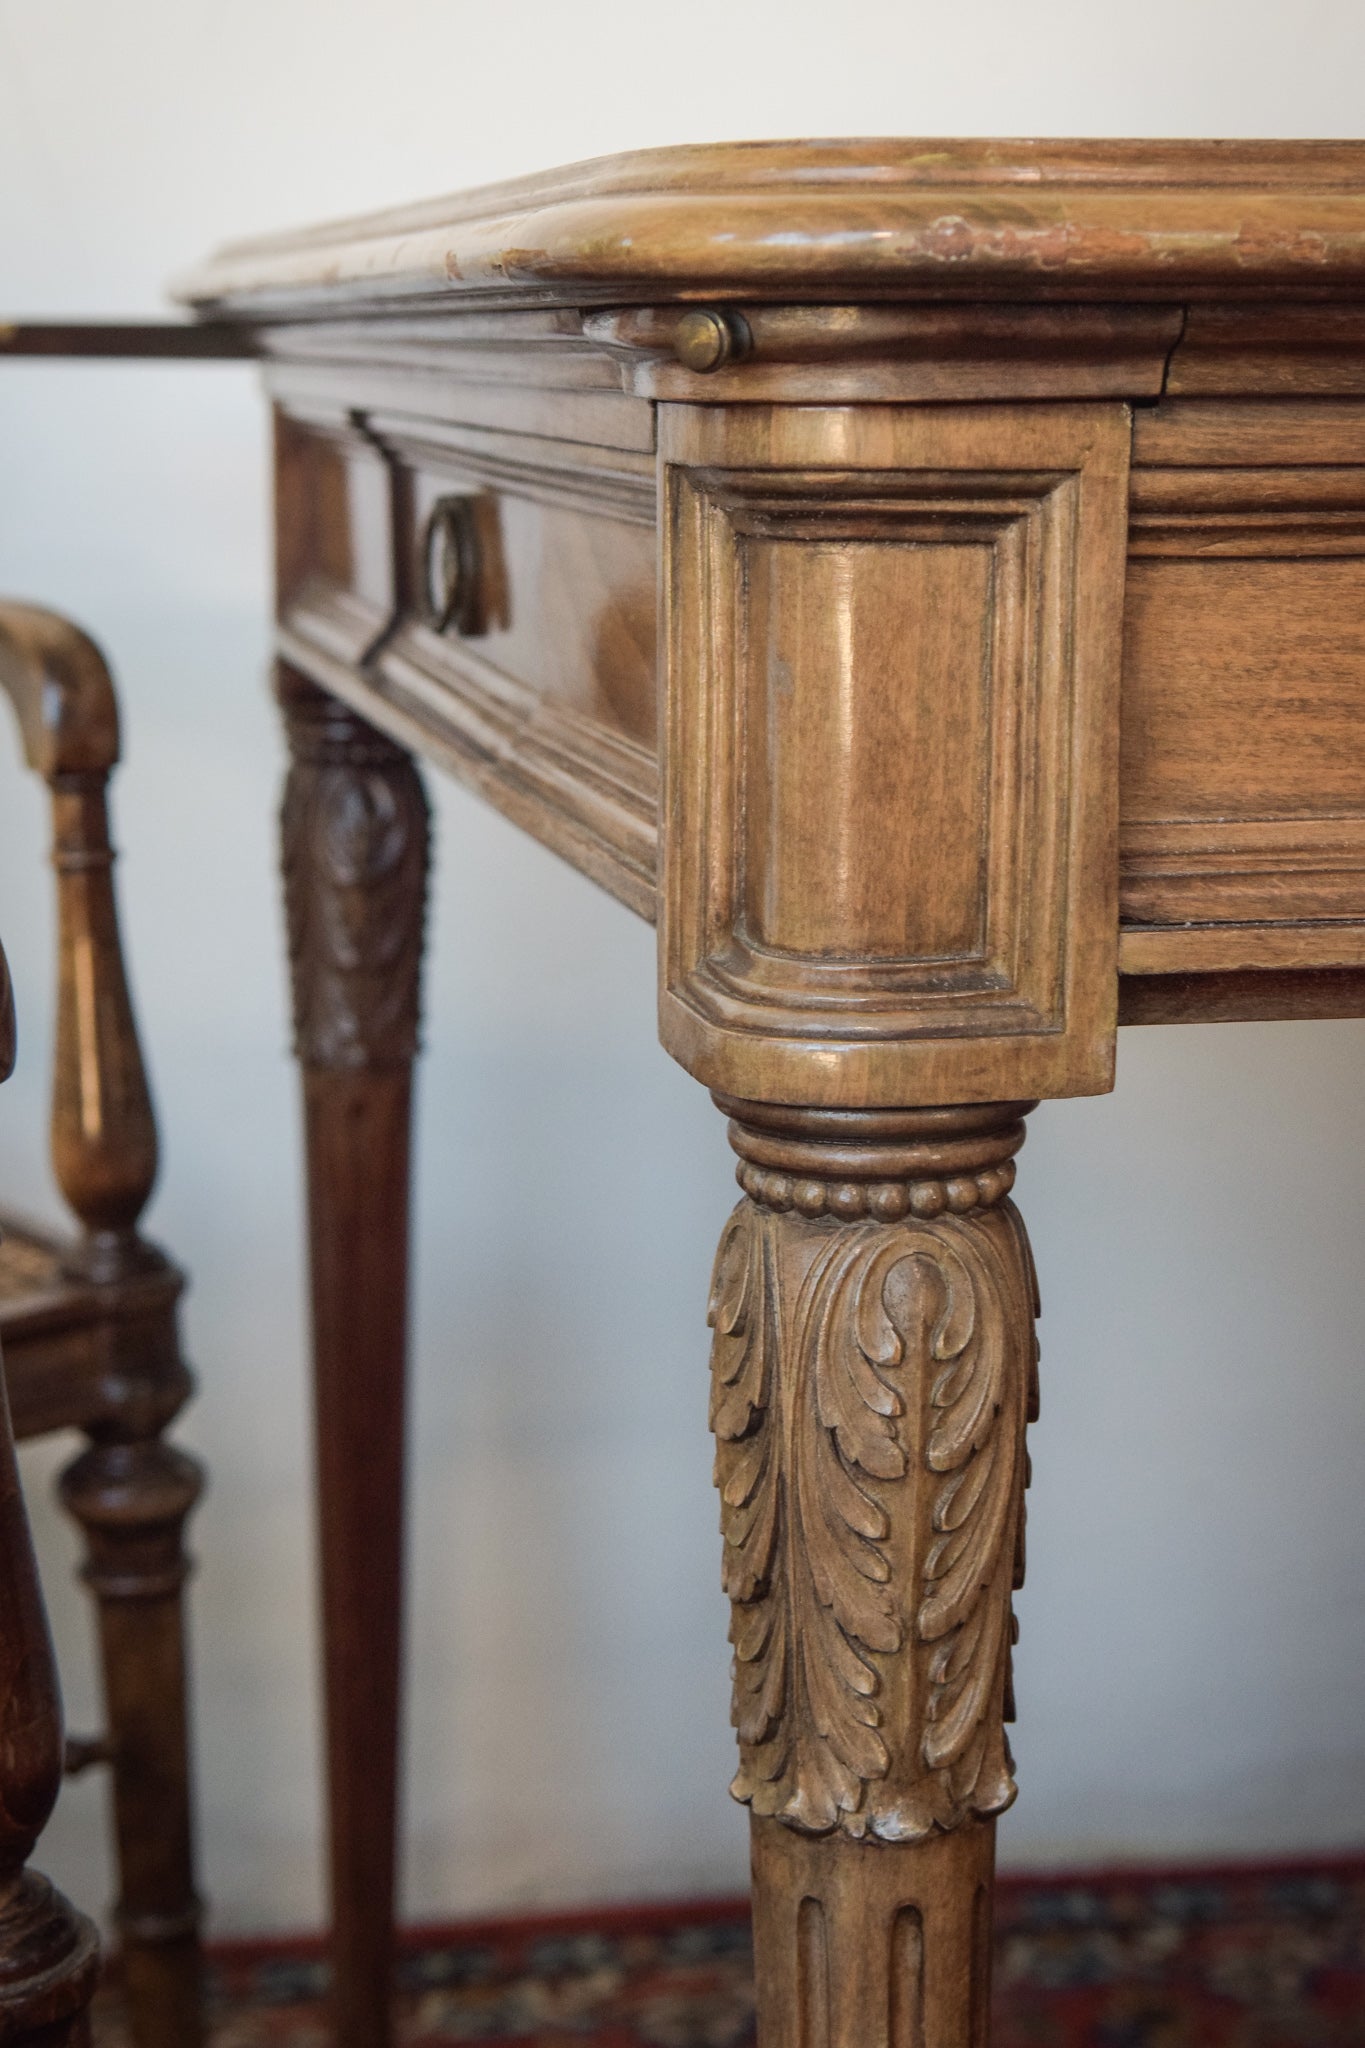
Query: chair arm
x=104 y=1146
x=60 y=687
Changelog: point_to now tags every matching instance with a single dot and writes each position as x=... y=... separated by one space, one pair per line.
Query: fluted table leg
x=873 y=1369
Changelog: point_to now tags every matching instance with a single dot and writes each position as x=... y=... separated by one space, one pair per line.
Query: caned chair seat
x=35 y=1294
x=71 y=1343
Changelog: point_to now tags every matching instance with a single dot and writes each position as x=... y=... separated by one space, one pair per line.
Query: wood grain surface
x=933 y=218
x=929 y=579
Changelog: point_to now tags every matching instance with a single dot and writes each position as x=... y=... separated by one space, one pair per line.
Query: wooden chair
x=89 y=1338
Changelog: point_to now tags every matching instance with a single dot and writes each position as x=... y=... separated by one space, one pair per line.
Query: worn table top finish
x=929 y=579
x=889 y=219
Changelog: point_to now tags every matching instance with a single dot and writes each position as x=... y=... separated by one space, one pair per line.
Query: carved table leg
x=873 y=1368
x=355 y=858
x=49 y=1954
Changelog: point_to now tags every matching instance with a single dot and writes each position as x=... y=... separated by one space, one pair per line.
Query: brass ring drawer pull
x=451 y=567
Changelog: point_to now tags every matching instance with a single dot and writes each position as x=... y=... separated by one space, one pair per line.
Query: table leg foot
x=871 y=1944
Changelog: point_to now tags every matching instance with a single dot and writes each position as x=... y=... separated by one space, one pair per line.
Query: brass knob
x=450 y=566
x=704 y=341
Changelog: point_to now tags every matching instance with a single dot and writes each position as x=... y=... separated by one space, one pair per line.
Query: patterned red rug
x=1228 y=1958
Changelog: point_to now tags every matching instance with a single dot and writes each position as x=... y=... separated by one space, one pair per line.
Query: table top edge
x=871 y=217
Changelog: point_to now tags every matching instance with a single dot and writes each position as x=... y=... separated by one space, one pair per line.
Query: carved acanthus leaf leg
x=355 y=861
x=873 y=1369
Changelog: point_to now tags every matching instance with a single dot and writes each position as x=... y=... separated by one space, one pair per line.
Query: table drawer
x=498 y=591
x=552 y=547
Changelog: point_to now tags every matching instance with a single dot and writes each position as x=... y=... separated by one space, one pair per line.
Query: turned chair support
x=130 y=1491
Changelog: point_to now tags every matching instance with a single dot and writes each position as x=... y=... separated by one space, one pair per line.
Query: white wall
x=1194 y=1625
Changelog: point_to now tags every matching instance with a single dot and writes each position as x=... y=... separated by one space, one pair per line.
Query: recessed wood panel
x=1242 y=768
x=866 y=726
x=1244 y=688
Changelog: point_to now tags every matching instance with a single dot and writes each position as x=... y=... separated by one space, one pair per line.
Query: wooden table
x=929 y=580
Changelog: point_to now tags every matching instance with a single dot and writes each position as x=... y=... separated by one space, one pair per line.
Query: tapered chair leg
x=49 y=1953
x=131 y=1500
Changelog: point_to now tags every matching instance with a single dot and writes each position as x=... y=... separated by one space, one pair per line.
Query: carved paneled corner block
x=890 y=769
